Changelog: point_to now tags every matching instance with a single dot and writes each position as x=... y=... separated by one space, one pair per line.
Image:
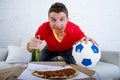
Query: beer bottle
x=36 y=53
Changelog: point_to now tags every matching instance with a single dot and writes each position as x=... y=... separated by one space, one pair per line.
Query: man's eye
x=61 y=19
x=53 y=20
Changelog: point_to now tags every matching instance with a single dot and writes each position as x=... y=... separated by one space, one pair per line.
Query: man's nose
x=58 y=25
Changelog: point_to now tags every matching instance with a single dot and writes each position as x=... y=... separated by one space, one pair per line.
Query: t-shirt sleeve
x=80 y=33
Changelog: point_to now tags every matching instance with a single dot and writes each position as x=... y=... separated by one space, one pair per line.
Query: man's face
x=58 y=21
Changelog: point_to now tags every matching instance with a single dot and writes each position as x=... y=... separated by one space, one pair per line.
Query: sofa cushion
x=111 y=57
x=107 y=70
x=18 y=55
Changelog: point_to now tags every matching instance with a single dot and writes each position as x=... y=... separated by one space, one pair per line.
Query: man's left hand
x=86 y=39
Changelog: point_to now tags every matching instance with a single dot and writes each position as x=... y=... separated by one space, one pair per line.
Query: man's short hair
x=58 y=7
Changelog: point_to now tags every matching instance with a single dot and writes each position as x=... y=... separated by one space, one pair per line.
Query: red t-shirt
x=73 y=34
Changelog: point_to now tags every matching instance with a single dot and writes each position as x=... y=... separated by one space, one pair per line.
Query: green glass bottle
x=36 y=54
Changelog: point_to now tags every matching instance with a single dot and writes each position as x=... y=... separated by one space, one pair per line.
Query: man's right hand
x=33 y=44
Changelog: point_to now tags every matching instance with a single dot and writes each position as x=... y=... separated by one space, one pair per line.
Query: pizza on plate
x=62 y=73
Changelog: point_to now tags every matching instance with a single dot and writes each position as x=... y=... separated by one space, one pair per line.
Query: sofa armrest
x=112 y=57
x=3 y=54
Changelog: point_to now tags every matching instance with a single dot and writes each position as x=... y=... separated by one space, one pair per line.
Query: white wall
x=15 y=21
x=99 y=19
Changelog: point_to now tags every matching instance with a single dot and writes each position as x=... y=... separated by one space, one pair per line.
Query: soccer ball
x=86 y=55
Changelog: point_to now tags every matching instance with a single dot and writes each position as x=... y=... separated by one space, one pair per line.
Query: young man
x=60 y=35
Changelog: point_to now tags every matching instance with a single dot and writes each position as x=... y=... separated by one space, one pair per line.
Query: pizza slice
x=59 y=35
x=63 y=73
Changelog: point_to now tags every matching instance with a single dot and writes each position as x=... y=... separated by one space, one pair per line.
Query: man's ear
x=67 y=18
